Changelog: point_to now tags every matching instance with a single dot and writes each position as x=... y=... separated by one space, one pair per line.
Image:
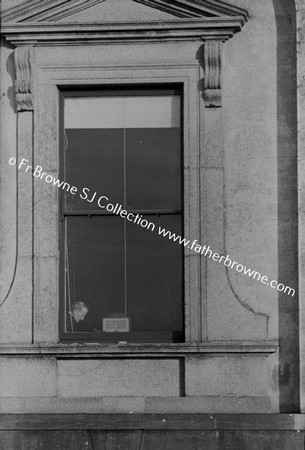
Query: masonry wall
x=248 y=193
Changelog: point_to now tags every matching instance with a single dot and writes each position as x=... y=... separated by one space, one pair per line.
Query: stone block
x=46 y=295
x=229 y=317
x=226 y=376
x=97 y=378
x=124 y=404
x=208 y=404
x=31 y=377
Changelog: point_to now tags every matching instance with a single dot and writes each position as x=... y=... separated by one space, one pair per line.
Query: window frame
x=143 y=337
x=51 y=77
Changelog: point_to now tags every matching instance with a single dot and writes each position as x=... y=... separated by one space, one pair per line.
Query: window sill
x=94 y=350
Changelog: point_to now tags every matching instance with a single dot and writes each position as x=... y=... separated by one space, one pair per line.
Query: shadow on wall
x=289 y=382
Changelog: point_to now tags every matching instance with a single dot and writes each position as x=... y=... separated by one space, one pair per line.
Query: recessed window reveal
x=122 y=150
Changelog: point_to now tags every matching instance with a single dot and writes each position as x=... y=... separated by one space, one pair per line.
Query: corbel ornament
x=212 y=73
x=23 y=57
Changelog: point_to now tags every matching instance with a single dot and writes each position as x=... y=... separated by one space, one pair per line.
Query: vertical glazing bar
x=125 y=231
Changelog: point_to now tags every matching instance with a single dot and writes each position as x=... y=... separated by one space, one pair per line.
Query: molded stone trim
x=46 y=10
x=196 y=8
x=50 y=34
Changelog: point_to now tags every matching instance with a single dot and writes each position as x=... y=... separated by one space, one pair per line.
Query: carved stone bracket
x=212 y=73
x=23 y=56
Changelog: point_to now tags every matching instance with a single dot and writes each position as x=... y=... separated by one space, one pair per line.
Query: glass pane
x=94 y=159
x=124 y=147
x=149 y=293
x=123 y=111
x=153 y=168
x=154 y=276
x=94 y=274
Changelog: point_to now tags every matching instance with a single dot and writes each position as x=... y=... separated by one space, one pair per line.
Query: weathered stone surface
x=16 y=289
x=96 y=378
x=234 y=376
x=46 y=295
x=248 y=148
x=32 y=377
x=124 y=404
x=62 y=405
x=114 y=10
x=208 y=404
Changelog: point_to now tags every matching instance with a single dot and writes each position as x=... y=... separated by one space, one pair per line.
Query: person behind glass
x=78 y=314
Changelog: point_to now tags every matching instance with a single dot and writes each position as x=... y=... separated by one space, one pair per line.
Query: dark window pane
x=94 y=269
x=95 y=255
x=154 y=276
x=153 y=168
x=94 y=159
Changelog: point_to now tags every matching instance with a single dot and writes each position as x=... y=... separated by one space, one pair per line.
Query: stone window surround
x=37 y=93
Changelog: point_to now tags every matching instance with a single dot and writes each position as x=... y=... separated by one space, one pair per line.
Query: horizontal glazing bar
x=106 y=213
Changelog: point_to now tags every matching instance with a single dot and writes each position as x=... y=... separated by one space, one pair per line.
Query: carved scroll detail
x=212 y=77
x=23 y=56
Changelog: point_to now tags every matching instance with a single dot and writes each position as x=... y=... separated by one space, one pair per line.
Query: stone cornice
x=50 y=34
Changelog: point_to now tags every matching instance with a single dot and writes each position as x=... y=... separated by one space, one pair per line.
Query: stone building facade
x=240 y=68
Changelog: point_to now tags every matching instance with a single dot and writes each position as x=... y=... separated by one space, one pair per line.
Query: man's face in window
x=79 y=311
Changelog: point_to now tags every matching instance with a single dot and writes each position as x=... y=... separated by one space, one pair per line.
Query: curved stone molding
x=243 y=302
x=23 y=56
x=212 y=71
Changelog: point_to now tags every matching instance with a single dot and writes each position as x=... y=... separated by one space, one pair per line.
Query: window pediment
x=56 y=10
x=87 y=21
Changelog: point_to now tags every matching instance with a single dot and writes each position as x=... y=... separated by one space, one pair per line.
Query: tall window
x=121 y=278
